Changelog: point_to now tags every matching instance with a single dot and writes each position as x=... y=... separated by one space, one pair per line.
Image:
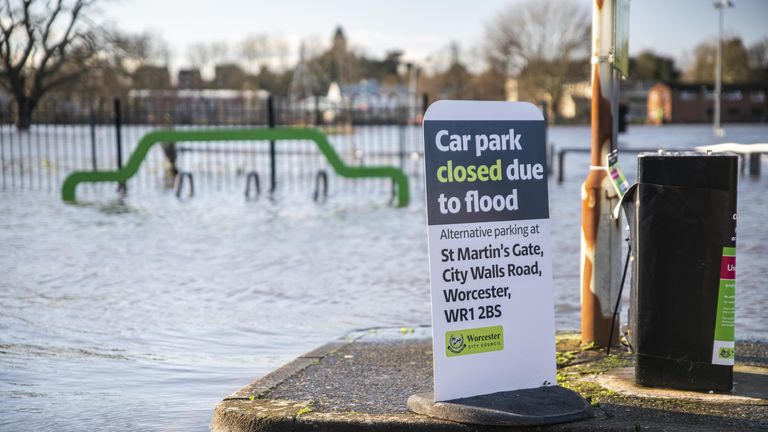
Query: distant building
x=573 y=106
x=229 y=76
x=512 y=90
x=634 y=95
x=694 y=103
x=575 y=102
x=152 y=77
x=338 y=58
x=367 y=100
x=364 y=95
x=190 y=79
x=220 y=106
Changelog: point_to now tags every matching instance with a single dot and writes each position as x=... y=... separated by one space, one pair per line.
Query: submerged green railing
x=260 y=134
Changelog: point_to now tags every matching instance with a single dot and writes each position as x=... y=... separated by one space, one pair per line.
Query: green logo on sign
x=726 y=353
x=474 y=341
x=456 y=343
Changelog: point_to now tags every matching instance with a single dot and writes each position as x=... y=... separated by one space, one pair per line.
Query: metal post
x=718 y=70
x=547 y=145
x=272 y=152
x=121 y=186
x=403 y=110
x=93 y=139
x=600 y=235
x=413 y=84
x=754 y=163
x=719 y=5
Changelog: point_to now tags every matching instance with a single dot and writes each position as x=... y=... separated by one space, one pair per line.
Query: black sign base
x=527 y=407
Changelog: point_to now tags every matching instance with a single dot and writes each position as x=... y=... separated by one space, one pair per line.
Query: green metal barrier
x=260 y=134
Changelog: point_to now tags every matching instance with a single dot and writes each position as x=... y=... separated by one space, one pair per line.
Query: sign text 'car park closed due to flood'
x=489 y=248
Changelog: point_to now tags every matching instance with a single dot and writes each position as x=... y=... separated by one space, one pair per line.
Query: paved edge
x=250 y=409
x=259 y=388
x=247 y=410
x=283 y=416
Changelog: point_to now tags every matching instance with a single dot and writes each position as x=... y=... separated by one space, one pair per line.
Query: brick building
x=152 y=77
x=190 y=79
x=229 y=76
x=694 y=103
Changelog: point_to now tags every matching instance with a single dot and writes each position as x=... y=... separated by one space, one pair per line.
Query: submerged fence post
x=272 y=151
x=121 y=186
x=317 y=110
x=401 y=142
x=547 y=144
x=93 y=140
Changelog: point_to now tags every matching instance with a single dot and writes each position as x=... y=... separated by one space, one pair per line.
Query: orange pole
x=600 y=234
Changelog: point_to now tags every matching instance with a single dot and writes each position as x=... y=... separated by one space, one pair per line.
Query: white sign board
x=489 y=250
x=621 y=37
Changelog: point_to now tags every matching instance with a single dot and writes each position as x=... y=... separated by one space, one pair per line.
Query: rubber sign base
x=525 y=407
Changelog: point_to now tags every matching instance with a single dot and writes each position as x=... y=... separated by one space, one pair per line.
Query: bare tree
x=204 y=56
x=758 y=54
x=138 y=49
x=758 y=60
x=735 y=62
x=43 y=45
x=454 y=81
x=199 y=55
x=257 y=51
x=281 y=52
x=649 y=66
x=537 y=42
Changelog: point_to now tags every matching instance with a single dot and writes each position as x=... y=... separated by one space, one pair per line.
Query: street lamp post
x=720 y=5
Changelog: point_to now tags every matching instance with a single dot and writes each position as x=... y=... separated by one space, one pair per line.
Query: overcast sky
x=419 y=27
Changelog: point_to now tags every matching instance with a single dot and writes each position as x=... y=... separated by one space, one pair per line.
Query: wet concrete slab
x=750 y=386
x=362 y=383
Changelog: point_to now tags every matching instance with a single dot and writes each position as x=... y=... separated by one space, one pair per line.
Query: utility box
x=682 y=215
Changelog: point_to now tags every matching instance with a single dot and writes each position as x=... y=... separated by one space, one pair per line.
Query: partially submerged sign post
x=491 y=267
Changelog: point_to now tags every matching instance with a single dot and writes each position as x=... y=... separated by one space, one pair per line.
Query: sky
x=422 y=28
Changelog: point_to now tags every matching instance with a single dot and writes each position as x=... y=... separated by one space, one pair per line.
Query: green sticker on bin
x=725 y=319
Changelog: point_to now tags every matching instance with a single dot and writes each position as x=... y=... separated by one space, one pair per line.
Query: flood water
x=143 y=314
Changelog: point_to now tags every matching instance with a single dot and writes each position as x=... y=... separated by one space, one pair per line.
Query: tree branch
x=64 y=78
x=57 y=50
x=49 y=52
x=7 y=54
x=29 y=27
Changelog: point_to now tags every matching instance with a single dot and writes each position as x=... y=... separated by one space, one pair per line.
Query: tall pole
x=271 y=121
x=122 y=188
x=600 y=233
x=720 y=5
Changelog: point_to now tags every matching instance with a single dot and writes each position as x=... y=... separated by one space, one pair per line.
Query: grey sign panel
x=509 y=162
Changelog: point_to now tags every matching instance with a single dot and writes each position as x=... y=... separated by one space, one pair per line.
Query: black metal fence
x=63 y=140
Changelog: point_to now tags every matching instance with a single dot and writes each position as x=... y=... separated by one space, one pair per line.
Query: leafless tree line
x=42 y=46
x=539 y=45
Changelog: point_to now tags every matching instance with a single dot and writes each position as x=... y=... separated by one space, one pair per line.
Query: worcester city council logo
x=456 y=343
x=726 y=353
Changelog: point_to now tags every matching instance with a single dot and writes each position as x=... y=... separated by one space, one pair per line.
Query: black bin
x=682 y=215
